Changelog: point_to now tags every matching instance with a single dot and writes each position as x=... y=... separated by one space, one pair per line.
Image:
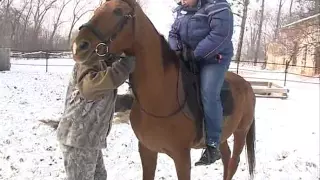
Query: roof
x=301 y=20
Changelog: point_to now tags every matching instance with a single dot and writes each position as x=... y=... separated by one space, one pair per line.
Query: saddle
x=189 y=92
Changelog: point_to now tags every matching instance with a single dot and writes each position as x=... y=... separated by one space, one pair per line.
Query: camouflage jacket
x=90 y=103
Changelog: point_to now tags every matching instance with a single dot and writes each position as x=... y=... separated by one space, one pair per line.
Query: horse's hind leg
x=149 y=162
x=238 y=144
x=225 y=156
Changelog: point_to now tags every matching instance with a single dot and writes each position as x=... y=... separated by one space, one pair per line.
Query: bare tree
x=299 y=41
x=57 y=22
x=5 y=19
x=7 y=7
x=307 y=8
x=78 y=12
x=276 y=32
x=21 y=27
x=26 y=23
x=290 y=9
x=16 y=23
x=251 y=37
x=243 y=27
x=142 y=3
x=259 y=33
x=41 y=9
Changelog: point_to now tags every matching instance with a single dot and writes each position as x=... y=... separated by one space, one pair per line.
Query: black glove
x=188 y=55
x=178 y=53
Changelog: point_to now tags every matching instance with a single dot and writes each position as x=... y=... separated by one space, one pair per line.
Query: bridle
x=106 y=41
x=108 y=56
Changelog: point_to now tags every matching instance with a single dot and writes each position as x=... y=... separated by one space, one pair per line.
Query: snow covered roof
x=301 y=20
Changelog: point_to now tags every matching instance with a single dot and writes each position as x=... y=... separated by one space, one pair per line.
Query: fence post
x=238 y=62
x=5 y=64
x=47 y=57
x=285 y=73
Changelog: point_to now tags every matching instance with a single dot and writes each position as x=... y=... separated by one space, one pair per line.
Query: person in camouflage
x=86 y=121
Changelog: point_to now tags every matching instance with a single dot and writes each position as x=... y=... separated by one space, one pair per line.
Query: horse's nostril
x=84 y=45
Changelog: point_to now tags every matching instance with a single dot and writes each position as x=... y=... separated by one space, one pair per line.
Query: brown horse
x=158 y=116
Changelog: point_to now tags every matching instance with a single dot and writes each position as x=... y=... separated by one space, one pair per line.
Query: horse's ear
x=130 y=2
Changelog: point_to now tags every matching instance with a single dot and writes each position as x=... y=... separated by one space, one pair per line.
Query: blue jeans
x=211 y=82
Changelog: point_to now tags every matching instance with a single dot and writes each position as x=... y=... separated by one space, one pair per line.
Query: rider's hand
x=178 y=53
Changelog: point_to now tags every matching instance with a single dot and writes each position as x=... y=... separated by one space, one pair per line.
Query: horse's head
x=109 y=32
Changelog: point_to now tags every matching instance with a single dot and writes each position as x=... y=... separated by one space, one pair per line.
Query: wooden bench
x=269 y=89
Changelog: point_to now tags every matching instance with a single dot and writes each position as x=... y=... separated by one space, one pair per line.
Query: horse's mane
x=168 y=55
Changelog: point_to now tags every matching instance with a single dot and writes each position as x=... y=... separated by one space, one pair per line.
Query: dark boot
x=209 y=156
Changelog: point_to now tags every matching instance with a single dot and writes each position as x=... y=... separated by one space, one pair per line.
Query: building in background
x=299 y=45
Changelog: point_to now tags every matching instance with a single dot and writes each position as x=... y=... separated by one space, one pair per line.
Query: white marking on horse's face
x=74 y=48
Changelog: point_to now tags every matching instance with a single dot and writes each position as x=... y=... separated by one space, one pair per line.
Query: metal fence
x=283 y=72
x=246 y=69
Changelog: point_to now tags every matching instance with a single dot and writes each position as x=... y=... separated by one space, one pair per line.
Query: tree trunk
x=70 y=32
x=276 y=33
x=243 y=27
x=57 y=23
x=290 y=9
x=259 y=34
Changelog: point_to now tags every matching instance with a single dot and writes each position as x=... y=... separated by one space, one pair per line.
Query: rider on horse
x=206 y=27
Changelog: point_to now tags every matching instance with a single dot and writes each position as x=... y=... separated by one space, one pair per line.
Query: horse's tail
x=51 y=123
x=250 y=147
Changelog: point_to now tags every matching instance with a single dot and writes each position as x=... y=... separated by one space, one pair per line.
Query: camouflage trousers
x=83 y=164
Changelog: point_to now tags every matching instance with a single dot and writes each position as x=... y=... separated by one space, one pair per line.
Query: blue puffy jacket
x=207 y=29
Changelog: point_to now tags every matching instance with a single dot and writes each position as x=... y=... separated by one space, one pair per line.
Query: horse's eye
x=84 y=45
x=118 y=12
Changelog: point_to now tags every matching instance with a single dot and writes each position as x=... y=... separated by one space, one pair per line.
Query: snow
x=287 y=131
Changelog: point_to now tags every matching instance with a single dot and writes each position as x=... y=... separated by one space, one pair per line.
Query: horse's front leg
x=182 y=162
x=149 y=162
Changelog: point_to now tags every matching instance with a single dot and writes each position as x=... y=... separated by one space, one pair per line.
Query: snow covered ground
x=287 y=132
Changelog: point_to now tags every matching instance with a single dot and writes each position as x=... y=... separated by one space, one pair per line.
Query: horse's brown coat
x=154 y=83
